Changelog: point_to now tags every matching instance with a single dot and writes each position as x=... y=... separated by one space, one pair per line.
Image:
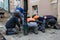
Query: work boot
x=43 y=31
x=12 y=31
x=36 y=30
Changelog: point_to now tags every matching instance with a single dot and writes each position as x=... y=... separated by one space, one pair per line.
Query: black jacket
x=12 y=22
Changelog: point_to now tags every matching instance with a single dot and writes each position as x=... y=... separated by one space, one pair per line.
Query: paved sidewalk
x=51 y=34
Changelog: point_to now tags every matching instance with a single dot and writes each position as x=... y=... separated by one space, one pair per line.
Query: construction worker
x=40 y=21
x=22 y=13
x=12 y=22
x=51 y=21
x=32 y=24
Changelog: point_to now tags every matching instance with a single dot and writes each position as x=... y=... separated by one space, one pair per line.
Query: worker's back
x=30 y=19
x=11 y=23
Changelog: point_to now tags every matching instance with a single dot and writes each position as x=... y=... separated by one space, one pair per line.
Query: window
x=35 y=9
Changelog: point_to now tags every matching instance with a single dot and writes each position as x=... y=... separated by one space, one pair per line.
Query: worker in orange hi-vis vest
x=32 y=23
x=36 y=17
x=30 y=19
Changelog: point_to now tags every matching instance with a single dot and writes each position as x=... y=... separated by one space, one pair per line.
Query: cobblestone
x=51 y=34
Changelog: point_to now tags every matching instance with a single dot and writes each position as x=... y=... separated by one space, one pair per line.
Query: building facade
x=44 y=7
x=11 y=5
x=4 y=4
x=4 y=8
x=58 y=11
x=14 y=3
x=41 y=7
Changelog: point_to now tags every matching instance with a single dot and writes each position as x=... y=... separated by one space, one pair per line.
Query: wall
x=1 y=4
x=58 y=11
x=14 y=3
x=4 y=4
x=30 y=4
x=11 y=5
x=45 y=7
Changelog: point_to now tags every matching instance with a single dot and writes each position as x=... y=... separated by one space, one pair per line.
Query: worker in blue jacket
x=22 y=13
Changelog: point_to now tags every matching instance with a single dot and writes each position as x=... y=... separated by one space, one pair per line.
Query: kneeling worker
x=32 y=24
x=12 y=22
